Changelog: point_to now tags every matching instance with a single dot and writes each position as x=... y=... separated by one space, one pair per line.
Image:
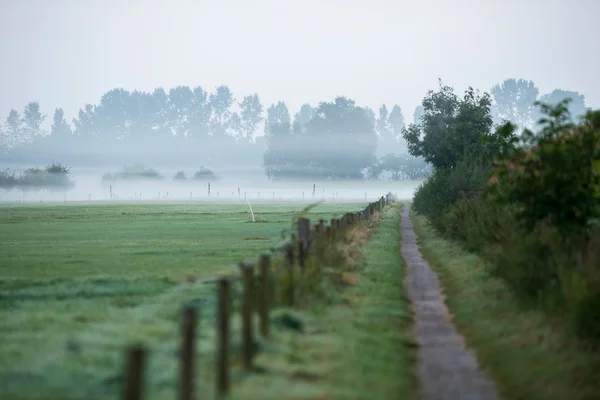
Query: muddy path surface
x=447 y=370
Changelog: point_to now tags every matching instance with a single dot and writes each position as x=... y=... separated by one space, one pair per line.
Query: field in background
x=79 y=282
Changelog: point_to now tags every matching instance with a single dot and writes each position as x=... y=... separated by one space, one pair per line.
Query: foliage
x=134 y=172
x=576 y=105
x=52 y=177
x=204 y=174
x=8 y=180
x=338 y=142
x=450 y=128
x=399 y=166
x=514 y=101
x=179 y=176
x=555 y=175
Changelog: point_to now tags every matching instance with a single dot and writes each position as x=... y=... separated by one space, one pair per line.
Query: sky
x=65 y=53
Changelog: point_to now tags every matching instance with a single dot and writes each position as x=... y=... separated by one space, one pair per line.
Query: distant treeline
x=333 y=140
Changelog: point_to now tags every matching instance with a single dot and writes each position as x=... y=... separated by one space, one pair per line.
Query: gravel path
x=446 y=369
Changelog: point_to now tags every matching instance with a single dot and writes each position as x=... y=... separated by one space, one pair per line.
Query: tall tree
x=513 y=101
x=85 y=124
x=32 y=120
x=251 y=111
x=14 y=129
x=278 y=120
x=302 y=117
x=60 y=128
x=112 y=117
x=576 y=106
x=383 y=122
x=221 y=102
x=396 y=121
x=370 y=114
x=451 y=127
x=181 y=104
x=418 y=114
x=200 y=115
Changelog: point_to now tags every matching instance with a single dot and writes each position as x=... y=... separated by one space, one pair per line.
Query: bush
x=204 y=174
x=57 y=176
x=447 y=186
x=179 y=176
x=134 y=172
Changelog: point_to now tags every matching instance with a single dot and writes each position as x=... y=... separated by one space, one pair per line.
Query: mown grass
x=78 y=284
x=140 y=240
x=357 y=344
x=529 y=355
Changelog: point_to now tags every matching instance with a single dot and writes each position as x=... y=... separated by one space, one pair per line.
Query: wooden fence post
x=223 y=338
x=290 y=269
x=264 y=303
x=134 y=373
x=303 y=240
x=247 y=333
x=189 y=320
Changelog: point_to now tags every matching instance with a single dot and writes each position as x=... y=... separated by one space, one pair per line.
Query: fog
x=253 y=186
x=272 y=99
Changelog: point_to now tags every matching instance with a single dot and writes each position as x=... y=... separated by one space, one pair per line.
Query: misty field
x=80 y=282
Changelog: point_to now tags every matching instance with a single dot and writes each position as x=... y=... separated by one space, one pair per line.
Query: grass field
x=530 y=356
x=78 y=283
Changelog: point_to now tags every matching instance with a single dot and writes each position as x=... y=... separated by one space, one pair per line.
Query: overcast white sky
x=64 y=53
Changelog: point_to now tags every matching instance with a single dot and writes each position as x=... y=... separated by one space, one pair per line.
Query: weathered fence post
x=290 y=269
x=189 y=320
x=134 y=373
x=264 y=301
x=247 y=301
x=223 y=338
x=303 y=240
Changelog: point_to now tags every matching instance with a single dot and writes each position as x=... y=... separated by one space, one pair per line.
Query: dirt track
x=446 y=369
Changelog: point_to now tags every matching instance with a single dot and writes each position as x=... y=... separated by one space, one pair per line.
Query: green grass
x=529 y=355
x=140 y=240
x=356 y=346
x=78 y=283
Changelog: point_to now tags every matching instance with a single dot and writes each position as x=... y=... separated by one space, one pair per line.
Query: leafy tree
x=181 y=106
x=371 y=116
x=418 y=113
x=32 y=120
x=383 y=122
x=221 y=102
x=59 y=127
x=390 y=134
x=450 y=127
x=200 y=114
x=278 y=120
x=85 y=125
x=302 y=117
x=251 y=111
x=555 y=176
x=396 y=121
x=576 y=106
x=513 y=101
x=14 y=129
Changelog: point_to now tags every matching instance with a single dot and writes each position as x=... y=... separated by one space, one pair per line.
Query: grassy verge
x=354 y=346
x=528 y=355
